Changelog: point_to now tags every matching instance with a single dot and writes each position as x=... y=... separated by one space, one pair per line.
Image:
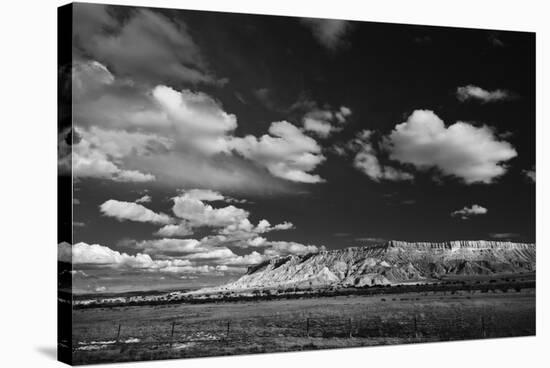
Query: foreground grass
x=299 y=324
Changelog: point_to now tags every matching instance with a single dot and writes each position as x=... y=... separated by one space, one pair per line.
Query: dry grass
x=282 y=325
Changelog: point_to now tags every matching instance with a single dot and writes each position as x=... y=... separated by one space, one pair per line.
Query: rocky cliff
x=392 y=262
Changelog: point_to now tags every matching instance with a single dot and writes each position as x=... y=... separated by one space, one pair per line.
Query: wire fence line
x=181 y=331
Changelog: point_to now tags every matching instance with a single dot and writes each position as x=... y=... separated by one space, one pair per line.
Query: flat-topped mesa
x=457 y=244
x=391 y=262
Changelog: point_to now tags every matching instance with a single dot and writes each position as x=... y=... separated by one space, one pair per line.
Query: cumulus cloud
x=197 y=213
x=95 y=254
x=246 y=260
x=257 y=241
x=161 y=41
x=278 y=248
x=530 y=174
x=330 y=33
x=215 y=253
x=144 y=199
x=320 y=127
x=194 y=138
x=286 y=153
x=366 y=161
x=473 y=154
x=184 y=228
x=229 y=225
x=193 y=211
x=100 y=153
x=245 y=228
x=132 y=211
x=471 y=92
x=169 y=246
x=324 y=122
x=214 y=250
x=199 y=120
x=467 y=212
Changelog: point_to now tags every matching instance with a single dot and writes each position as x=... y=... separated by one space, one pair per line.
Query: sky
x=204 y=142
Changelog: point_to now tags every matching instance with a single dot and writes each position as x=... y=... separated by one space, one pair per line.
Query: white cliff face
x=392 y=262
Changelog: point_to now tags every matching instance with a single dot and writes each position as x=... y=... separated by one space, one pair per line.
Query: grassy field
x=187 y=330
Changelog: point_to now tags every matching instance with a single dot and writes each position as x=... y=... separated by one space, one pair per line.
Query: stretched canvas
x=236 y=184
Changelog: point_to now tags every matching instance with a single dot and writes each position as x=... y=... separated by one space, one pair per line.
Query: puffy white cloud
x=203 y=269
x=170 y=246
x=246 y=260
x=324 y=122
x=282 y=226
x=319 y=127
x=95 y=254
x=467 y=212
x=286 y=153
x=258 y=241
x=277 y=248
x=99 y=153
x=198 y=214
x=366 y=161
x=530 y=174
x=182 y=229
x=197 y=118
x=231 y=223
x=118 y=144
x=210 y=249
x=329 y=32
x=245 y=229
x=195 y=145
x=215 y=253
x=132 y=176
x=471 y=92
x=95 y=164
x=144 y=199
x=133 y=212
x=343 y=113
x=166 y=52
x=473 y=154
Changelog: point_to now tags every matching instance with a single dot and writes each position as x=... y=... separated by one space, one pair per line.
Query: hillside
x=393 y=262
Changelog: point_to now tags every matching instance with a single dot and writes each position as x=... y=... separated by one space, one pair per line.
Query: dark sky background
x=277 y=68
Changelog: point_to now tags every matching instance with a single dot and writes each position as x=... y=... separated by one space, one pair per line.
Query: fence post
x=172 y=333
x=350 y=328
x=118 y=333
x=415 y=327
x=483 y=333
x=228 y=329
x=307 y=327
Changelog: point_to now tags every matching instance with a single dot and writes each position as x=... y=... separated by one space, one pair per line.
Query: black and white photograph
x=233 y=183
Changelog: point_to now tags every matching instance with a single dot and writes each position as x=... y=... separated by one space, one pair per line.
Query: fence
x=180 y=331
